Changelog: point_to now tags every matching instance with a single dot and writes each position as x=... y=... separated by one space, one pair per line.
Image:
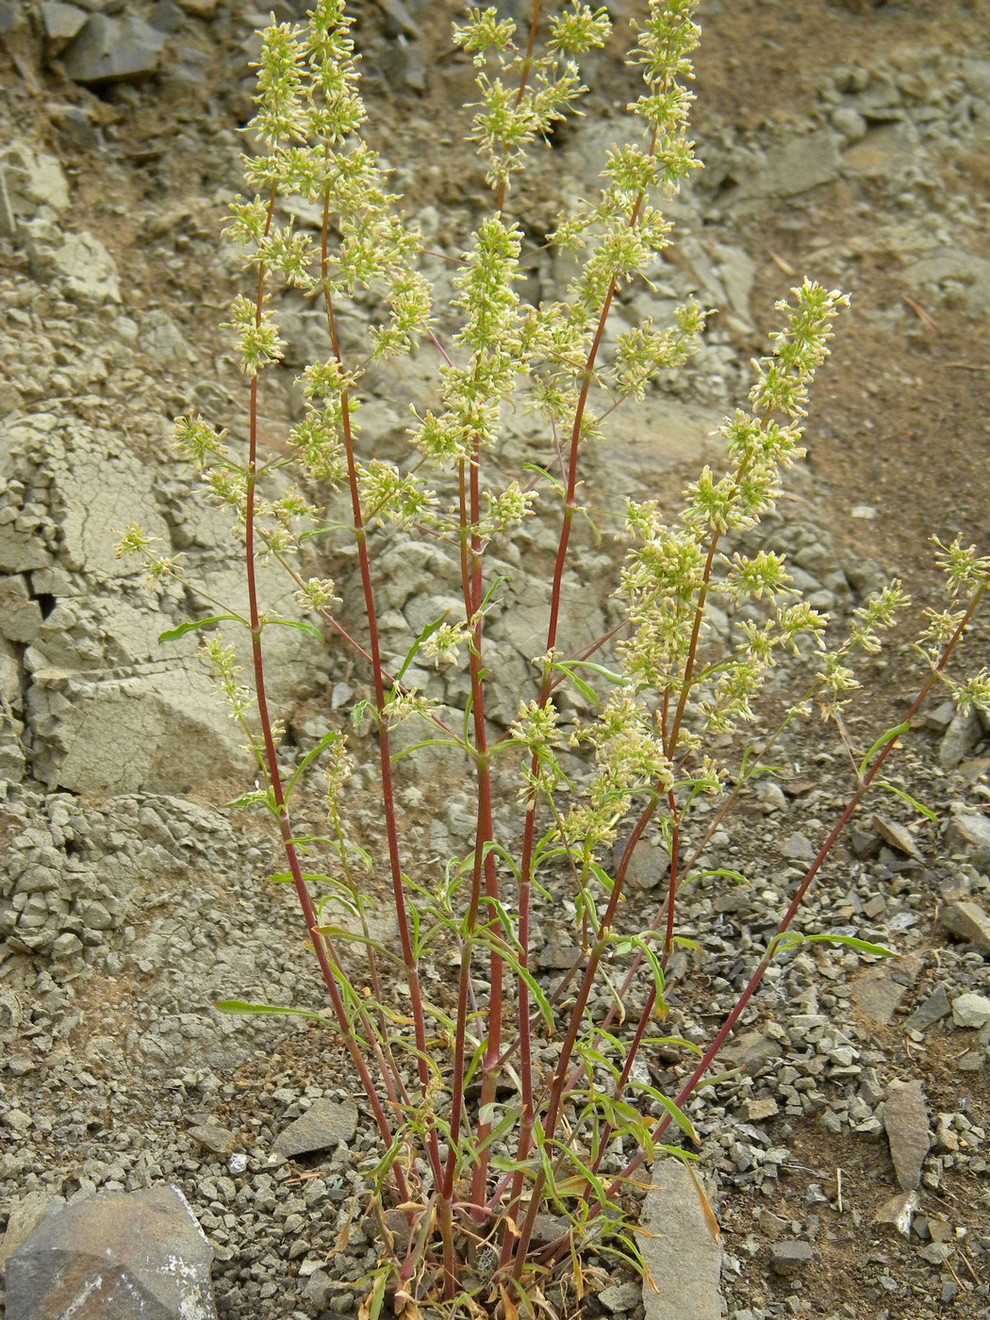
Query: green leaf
x=241 y=1006
x=326 y=741
x=425 y=635
x=851 y=942
x=679 y=1117
x=555 y=482
x=260 y=796
x=193 y=625
x=722 y=870
x=882 y=741
x=912 y=802
x=310 y=628
x=500 y=581
x=427 y=742
x=586 y=690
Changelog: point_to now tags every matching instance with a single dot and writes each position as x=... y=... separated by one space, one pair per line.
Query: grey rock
x=680 y=1249
x=897 y=836
x=213 y=1137
x=798 y=848
x=26 y=1214
x=877 y=994
x=620 y=1298
x=61 y=23
x=323 y=1127
x=795 y=164
x=133 y=1255
x=968 y=921
x=953 y=271
x=905 y=1120
x=648 y=865
x=935 y=1007
x=969 y=834
x=83 y=266
x=20 y=616
x=790 y=1257
x=113 y=50
x=960 y=739
x=752 y=1051
x=971 y=1010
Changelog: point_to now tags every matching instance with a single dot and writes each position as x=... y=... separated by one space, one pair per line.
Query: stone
x=133 y=1255
x=936 y=1006
x=876 y=994
x=84 y=267
x=969 y=835
x=26 y=1214
x=969 y=922
x=795 y=164
x=898 y=836
x=20 y=616
x=971 y=1010
x=758 y=1110
x=751 y=1051
x=61 y=23
x=620 y=1298
x=905 y=1120
x=899 y=1211
x=680 y=1247
x=798 y=848
x=960 y=738
x=956 y=270
x=113 y=50
x=213 y=1137
x=323 y=1127
x=790 y=1257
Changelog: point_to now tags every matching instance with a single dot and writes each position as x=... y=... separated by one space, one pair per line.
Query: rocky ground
x=848 y=1155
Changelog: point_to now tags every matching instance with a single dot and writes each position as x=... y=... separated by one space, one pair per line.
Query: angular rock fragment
x=970 y=835
x=323 y=1127
x=790 y=1257
x=971 y=1010
x=936 y=1006
x=905 y=1120
x=113 y=50
x=967 y=921
x=680 y=1249
x=131 y=1255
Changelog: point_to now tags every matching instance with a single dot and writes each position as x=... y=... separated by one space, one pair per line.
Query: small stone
x=905 y=1120
x=971 y=1010
x=898 y=836
x=935 y=1007
x=970 y=835
x=757 y=1110
x=968 y=921
x=323 y=1127
x=798 y=848
x=899 y=1211
x=621 y=1298
x=61 y=23
x=18 y=1120
x=752 y=1051
x=111 y=50
x=960 y=739
x=877 y=995
x=790 y=1257
x=213 y=1137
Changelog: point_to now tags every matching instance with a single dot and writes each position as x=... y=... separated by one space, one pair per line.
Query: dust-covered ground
x=846 y=142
